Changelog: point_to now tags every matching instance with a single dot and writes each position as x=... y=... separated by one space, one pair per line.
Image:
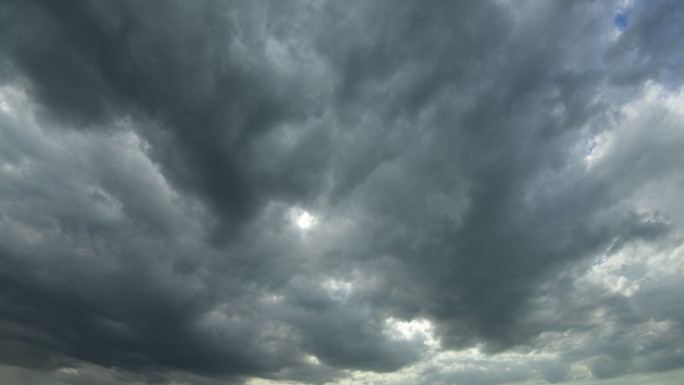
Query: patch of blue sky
x=621 y=20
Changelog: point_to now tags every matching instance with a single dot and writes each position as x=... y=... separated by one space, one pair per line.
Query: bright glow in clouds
x=408 y=330
x=302 y=219
x=68 y=371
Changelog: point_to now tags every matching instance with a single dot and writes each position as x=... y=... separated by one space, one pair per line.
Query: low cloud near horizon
x=341 y=192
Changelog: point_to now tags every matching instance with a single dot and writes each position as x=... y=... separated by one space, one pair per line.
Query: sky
x=385 y=192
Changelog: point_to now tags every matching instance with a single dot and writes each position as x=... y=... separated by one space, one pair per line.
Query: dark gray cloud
x=444 y=192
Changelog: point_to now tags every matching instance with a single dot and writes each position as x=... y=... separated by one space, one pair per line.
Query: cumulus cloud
x=248 y=192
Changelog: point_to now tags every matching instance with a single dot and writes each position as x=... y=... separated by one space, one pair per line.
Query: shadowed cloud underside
x=343 y=192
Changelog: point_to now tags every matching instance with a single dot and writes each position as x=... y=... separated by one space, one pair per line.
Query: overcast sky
x=384 y=192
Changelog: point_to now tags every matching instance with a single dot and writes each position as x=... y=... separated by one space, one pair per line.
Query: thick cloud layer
x=211 y=192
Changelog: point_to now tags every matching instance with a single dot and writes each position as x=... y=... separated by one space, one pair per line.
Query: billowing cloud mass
x=341 y=192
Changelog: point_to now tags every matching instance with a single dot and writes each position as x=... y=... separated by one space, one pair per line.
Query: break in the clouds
x=349 y=192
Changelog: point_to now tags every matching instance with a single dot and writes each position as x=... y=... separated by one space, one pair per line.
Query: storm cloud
x=372 y=192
